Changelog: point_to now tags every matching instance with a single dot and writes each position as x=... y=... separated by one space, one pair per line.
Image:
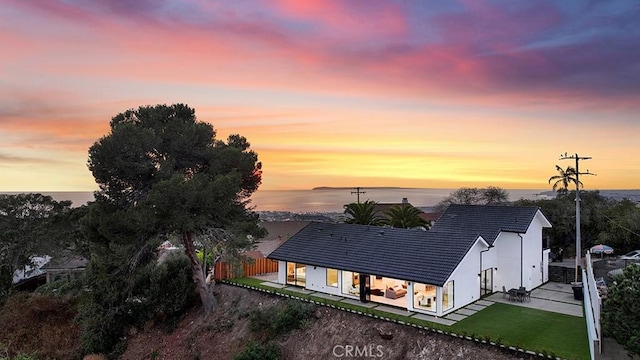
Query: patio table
x=517 y=294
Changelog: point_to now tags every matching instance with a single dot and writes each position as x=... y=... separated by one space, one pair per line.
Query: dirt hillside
x=331 y=334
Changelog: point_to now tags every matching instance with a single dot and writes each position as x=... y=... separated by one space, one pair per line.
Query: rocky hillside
x=328 y=334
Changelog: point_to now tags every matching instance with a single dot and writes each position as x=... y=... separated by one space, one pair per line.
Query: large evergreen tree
x=162 y=172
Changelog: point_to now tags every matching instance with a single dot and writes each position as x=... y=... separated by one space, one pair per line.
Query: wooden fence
x=257 y=267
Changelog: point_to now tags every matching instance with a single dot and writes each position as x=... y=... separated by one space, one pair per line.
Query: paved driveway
x=552 y=296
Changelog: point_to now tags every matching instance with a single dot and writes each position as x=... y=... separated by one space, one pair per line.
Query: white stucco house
x=471 y=251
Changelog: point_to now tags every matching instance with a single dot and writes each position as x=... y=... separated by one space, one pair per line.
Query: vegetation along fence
x=225 y=271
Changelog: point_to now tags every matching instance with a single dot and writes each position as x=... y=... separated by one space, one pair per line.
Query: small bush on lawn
x=255 y=351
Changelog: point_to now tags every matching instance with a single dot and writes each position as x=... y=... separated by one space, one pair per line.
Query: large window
x=447 y=296
x=332 y=277
x=350 y=283
x=296 y=274
x=424 y=296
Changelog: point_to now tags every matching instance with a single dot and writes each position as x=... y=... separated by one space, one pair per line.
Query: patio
x=552 y=296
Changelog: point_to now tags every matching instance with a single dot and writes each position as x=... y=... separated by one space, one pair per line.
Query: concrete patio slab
x=554 y=297
x=393 y=310
x=298 y=290
x=466 y=312
x=484 y=303
x=273 y=277
x=434 y=319
x=455 y=317
x=357 y=302
x=327 y=296
x=477 y=307
x=272 y=284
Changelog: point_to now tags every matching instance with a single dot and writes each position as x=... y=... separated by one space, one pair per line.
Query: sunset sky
x=405 y=93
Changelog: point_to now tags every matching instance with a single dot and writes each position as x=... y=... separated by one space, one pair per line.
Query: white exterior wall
x=317 y=280
x=282 y=272
x=490 y=260
x=507 y=247
x=466 y=282
x=533 y=260
x=534 y=267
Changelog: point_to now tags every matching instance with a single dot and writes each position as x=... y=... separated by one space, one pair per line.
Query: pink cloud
x=359 y=20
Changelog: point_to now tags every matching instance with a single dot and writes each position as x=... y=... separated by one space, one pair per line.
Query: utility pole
x=358 y=192
x=578 y=173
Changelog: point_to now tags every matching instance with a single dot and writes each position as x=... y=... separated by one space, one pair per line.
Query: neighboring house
x=31 y=276
x=65 y=267
x=471 y=251
x=277 y=233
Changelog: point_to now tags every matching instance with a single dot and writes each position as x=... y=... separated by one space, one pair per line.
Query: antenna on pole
x=577 y=158
x=358 y=192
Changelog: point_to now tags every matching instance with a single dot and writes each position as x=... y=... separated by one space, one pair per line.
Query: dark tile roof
x=414 y=255
x=66 y=263
x=486 y=220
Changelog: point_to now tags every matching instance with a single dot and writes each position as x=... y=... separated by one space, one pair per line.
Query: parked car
x=634 y=255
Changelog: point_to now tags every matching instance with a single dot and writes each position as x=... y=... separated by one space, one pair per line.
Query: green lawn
x=510 y=325
x=541 y=331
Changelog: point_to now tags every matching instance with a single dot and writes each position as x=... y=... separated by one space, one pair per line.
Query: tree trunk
x=205 y=291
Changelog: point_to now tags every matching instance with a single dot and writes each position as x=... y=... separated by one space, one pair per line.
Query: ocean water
x=333 y=199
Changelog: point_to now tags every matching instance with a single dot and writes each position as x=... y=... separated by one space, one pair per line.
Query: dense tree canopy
x=161 y=172
x=476 y=196
x=602 y=221
x=30 y=225
x=621 y=309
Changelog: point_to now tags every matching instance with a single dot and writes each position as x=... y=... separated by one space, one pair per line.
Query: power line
x=577 y=158
x=358 y=192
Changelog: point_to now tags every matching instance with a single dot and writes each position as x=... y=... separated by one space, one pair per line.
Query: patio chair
x=527 y=295
x=513 y=295
x=505 y=295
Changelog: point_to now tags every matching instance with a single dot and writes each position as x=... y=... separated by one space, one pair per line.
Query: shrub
x=294 y=315
x=171 y=288
x=115 y=303
x=255 y=351
x=620 y=311
x=276 y=320
x=63 y=287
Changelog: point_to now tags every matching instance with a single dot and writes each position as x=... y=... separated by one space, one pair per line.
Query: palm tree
x=362 y=213
x=564 y=177
x=406 y=217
